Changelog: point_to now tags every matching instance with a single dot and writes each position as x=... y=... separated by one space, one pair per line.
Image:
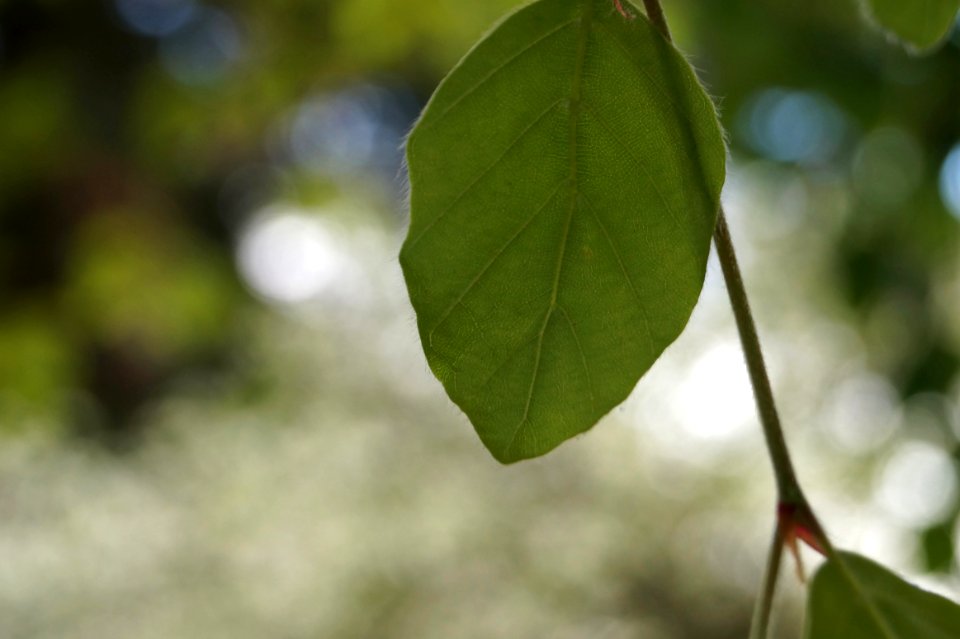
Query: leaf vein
x=639 y=162
x=576 y=86
x=506 y=361
x=484 y=173
x=583 y=356
x=496 y=256
x=496 y=70
x=623 y=269
x=653 y=82
x=546 y=322
x=867 y=601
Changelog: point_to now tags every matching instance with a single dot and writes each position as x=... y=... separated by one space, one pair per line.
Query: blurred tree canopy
x=141 y=139
x=136 y=135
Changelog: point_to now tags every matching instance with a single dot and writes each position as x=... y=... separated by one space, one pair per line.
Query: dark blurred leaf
x=933 y=370
x=854 y=598
x=36 y=114
x=565 y=182
x=938 y=552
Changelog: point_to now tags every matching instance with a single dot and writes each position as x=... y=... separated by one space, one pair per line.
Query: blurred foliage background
x=215 y=419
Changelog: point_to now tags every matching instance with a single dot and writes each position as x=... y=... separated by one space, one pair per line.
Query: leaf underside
x=564 y=179
x=920 y=24
x=852 y=597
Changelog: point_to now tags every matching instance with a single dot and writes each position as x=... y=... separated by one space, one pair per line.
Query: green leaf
x=854 y=598
x=920 y=24
x=565 y=180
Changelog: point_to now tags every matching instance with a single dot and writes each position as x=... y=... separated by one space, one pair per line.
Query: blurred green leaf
x=854 y=598
x=565 y=179
x=937 y=544
x=38 y=361
x=37 y=123
x=140 y=281
x=920 y=24
x=375 y=33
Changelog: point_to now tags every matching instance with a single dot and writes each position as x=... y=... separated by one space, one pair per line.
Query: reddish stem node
x=623 y=10
x=796 y=522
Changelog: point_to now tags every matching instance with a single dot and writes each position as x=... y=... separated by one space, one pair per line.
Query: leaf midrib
x=480 y=177
x=875 y=613
x=576 y=90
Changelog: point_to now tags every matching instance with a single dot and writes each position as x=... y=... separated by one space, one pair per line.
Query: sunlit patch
x=714 y=400
x=204 y=49
x=950 y=181
x=917 y=485
x=721 y=543
x=156 y=18
x=861 y=414
x=872 y=533
x=793 y=126
x=768 y=189
x=288 y=257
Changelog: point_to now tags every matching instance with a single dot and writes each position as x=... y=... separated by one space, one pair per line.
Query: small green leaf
x=920 y=24
x=565 y=180
x=854 y=598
